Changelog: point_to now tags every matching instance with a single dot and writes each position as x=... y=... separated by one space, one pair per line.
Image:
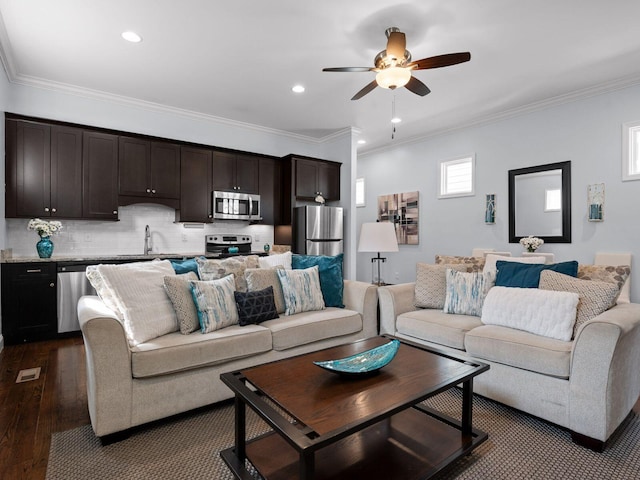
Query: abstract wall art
x=401 y=209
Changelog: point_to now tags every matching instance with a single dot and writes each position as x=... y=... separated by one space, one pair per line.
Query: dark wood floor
x=30 y=412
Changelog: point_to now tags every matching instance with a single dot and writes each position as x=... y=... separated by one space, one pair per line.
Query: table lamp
x=378 y=237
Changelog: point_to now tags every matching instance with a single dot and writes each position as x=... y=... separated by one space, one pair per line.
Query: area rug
x=187 y=447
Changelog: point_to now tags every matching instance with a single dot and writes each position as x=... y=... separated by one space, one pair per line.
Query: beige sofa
x=174 y=373
x=588 y=385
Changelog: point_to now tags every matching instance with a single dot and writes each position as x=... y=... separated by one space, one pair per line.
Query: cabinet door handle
x=46 y=209
x=52 y=284
x=148 y=190
x=54 y=210
x=153 y=190
x=115 y=212
x=34 y=270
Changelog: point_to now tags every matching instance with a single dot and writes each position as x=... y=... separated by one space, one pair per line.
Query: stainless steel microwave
x=236 y=206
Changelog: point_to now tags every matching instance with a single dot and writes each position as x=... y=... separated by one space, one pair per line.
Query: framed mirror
x=540 y=203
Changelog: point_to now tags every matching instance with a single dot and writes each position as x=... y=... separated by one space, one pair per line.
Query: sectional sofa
x=587 y=382
x=131 y=382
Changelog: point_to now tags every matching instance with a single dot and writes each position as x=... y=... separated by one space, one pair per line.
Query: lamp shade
x=393 y=77
x=378 y=237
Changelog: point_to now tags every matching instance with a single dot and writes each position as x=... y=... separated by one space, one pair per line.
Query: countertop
x=95 y=259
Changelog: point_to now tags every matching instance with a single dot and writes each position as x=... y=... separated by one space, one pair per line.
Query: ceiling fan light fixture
x=393 y=77
x=131 y=36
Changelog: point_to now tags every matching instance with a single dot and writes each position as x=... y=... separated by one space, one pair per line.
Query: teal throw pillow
x=185 y=266
x=331 y=281
x=465 y=292
x=527 y=275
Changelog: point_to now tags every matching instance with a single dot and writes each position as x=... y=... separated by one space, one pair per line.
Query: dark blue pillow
x=185 y=266
x=527 y=275
x=330 y=270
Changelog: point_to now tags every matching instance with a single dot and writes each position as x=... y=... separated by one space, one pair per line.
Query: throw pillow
x=274 y=260
x=179 y=290
x=185 y=266
x=595 y=296
x=261 y=278
x=477 y=263
x=215 y=303
x=301 y=289
x=330 y=271
x=466 y=291
x=617 y=274
x=542 y=312
x=214 y=269
x=528 y=275
x=431 y=284
x=105 y=293
x=138 y=290
x=492 y=259
x=255 y=307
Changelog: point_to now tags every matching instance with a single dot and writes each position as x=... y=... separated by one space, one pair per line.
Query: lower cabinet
x=29 y=301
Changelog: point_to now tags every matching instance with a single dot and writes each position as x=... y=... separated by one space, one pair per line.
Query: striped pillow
x=215 y=303
x=301 y=289
x=466 y=292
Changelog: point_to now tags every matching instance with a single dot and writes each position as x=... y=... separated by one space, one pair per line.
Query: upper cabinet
x=270 y=191
x=316 y=177
x=43 y=170
x=195 y=186
x=148 y=169
x=235 y=172
x=100 y=175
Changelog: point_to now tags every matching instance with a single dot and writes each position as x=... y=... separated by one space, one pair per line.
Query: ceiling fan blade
x=396 y=45
x=365 y=90
x=347 y=69
x=440 y=61
x=416 y=86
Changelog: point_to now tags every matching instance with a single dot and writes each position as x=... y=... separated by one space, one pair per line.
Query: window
x=553 y=200
x=360 y=192
x=457 y=177
x=631 y=151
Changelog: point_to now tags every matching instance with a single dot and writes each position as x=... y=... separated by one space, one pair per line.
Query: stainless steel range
x=226 y=244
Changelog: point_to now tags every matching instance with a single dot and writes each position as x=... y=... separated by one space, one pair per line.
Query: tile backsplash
x=126 y=237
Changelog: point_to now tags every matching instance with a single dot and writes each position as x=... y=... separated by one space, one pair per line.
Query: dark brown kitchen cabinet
x=270 y=191
x=24 y=319
x=100 y=175
x=316 y=177
x=235 y=172
x=43 y=170
x=150 y=170
x=195 y=185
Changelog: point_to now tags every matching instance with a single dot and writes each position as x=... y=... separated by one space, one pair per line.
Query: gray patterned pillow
x=261 y=278
x=431 y=284
x=476 y=264
x=179 y=291
x=214 y=269
x=595 y=296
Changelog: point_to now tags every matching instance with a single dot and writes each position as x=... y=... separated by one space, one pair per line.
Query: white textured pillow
x=301 y=289
x=215 y=303
x=491 y=259
x=138 y=291
x=543 y=312
x=278 y=259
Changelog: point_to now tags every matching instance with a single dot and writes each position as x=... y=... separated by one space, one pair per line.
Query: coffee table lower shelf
x=416 y=444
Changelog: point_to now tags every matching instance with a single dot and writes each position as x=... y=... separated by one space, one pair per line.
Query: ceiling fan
x=394 y=66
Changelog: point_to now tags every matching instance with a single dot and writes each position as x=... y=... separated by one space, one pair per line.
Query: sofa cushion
x=275 y=260
x=138 y=291
x=213 y=269
x=520 y=349
x=261 y=278
x=543 y=312
x=437 y=327
x=308 y=327
x=301 y=289
x=528 y=276
x=330 y=272
x=215 y=303
x=466 y=291
x=255 y=307
x=176 y=352
x=179 y=290
x=595 y=297
x=431 y=284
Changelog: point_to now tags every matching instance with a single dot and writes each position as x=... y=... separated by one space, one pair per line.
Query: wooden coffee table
x=325 y=426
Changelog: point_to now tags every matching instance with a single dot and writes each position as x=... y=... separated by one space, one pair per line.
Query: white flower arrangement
x=531 y=243
x=43 y=227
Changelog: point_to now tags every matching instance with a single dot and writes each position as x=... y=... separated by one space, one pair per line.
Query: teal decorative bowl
x=366 y=363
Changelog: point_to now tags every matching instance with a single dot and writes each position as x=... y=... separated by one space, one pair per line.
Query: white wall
x=587 y=132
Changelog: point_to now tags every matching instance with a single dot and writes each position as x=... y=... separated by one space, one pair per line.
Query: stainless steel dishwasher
x=72 y=284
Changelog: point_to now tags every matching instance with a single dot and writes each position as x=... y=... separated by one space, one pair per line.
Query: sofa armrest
x=108 y=360
x=362 y=297
x=604 y=371
x=394 y=300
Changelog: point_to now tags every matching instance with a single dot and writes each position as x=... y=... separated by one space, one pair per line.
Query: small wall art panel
x=401 y=209
x=595 y=202
x=490 y=209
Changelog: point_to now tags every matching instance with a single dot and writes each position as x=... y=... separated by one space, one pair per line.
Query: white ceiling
x=238 y=60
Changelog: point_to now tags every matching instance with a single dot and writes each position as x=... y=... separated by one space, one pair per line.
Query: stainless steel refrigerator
x=318 y=230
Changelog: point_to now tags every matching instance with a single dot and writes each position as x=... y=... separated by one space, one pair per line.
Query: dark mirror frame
x=565 y=168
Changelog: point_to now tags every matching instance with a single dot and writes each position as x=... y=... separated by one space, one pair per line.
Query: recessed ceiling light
x=297 y=89
x=361 y=142
x=396 y=120
x=132 y=37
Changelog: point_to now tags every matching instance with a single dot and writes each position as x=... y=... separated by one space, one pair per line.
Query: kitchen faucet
x=147 y=238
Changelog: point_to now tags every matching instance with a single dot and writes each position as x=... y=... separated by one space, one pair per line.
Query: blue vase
x=45 y=247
